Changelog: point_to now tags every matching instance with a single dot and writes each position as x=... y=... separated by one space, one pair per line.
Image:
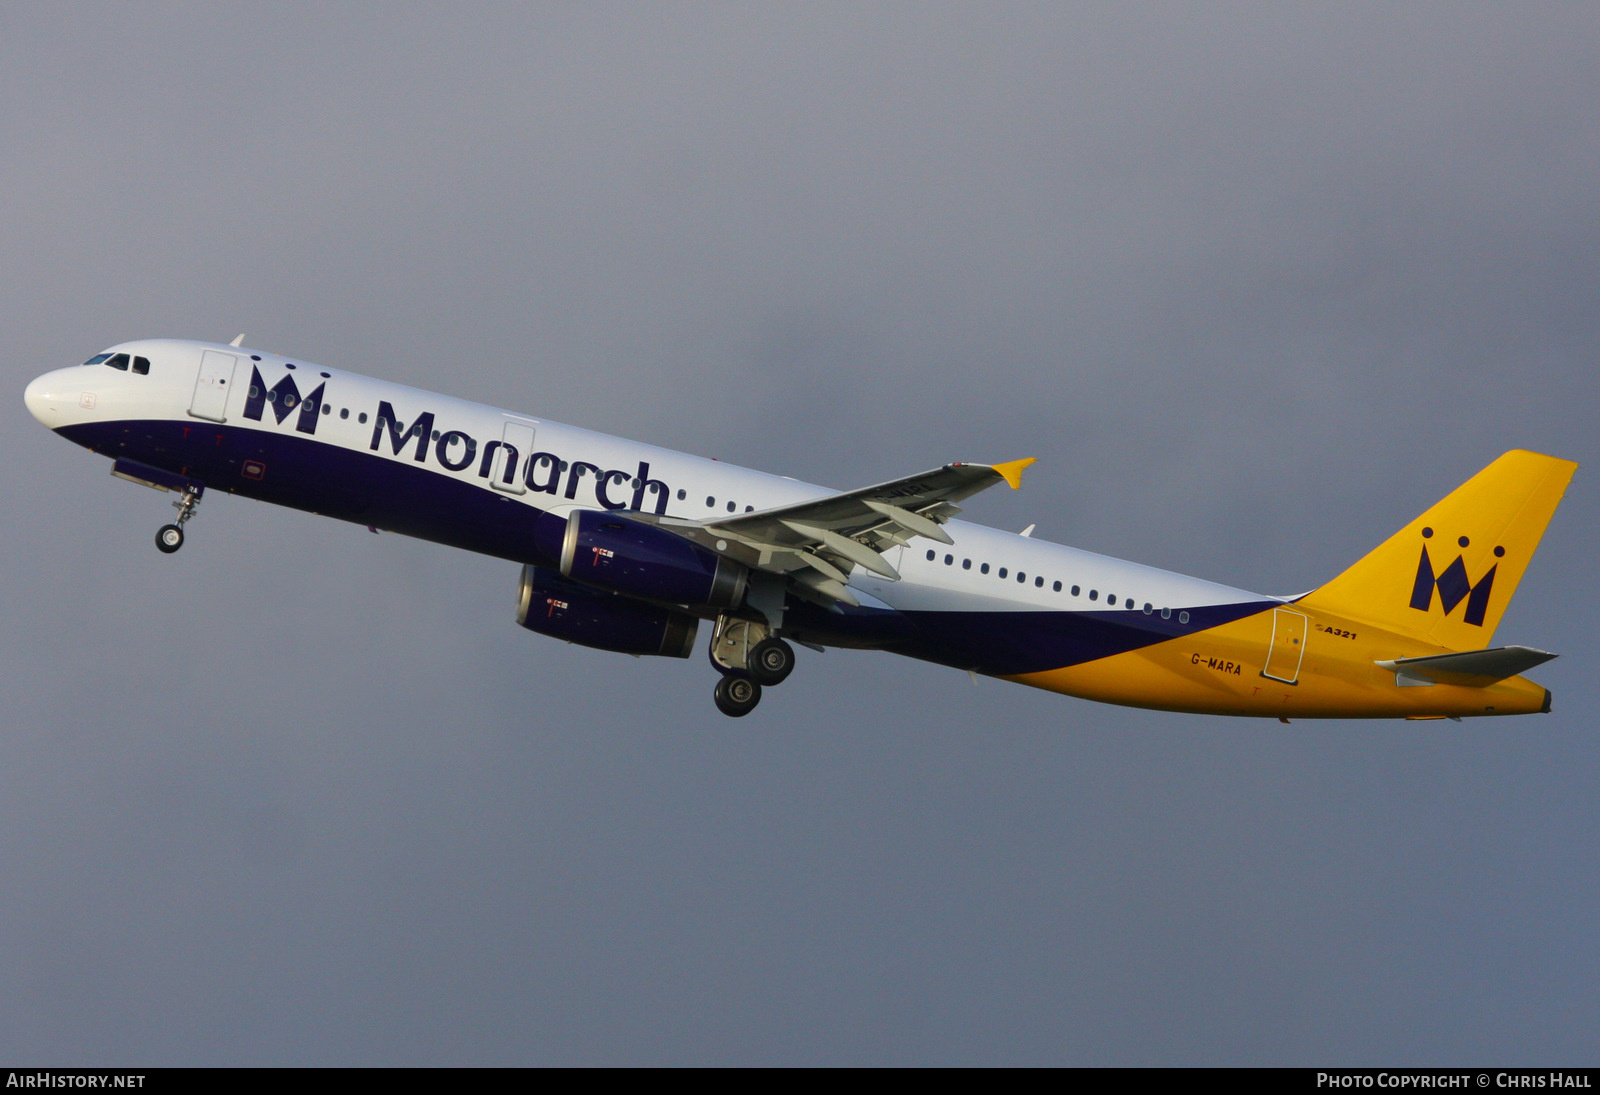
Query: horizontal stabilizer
x=1472 y=668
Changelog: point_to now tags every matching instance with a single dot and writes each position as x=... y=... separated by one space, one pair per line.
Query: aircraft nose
x=42 y=401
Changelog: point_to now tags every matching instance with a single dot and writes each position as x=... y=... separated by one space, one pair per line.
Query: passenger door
x=210 y=400
x=516 y=445
x=1288 y=646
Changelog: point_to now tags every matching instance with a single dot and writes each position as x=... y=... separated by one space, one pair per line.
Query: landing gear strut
x=170 y=537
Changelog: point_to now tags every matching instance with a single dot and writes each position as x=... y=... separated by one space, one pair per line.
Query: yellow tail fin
x=1448 y=576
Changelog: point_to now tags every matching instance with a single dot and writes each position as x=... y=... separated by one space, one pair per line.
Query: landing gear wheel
x=737 y=696
x=170 y=538
x=771 y=661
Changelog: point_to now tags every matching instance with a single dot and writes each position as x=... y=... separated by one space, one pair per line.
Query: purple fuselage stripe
x=398 y=495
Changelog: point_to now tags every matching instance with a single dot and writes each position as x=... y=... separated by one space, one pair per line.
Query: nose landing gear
x=170 y=537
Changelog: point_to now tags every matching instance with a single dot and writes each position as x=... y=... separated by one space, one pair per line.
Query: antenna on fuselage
x=238 y=341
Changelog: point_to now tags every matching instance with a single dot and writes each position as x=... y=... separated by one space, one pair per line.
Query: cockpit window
x=141 y=365
x=97 y=359
x=119 y=361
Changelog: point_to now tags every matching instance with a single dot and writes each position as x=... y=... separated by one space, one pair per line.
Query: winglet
x=238 y=341
x=1012 y=472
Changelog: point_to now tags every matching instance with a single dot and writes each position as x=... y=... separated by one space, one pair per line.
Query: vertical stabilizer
x=1448 y=576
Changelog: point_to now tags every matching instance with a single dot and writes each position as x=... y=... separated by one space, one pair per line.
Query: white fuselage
x=698 y=488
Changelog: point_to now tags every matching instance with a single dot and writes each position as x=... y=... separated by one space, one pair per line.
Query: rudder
x=1448 y=576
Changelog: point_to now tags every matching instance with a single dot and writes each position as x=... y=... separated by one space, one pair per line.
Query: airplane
x=628 y=547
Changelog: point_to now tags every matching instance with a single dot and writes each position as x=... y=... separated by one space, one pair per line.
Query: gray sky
x=1257 y=284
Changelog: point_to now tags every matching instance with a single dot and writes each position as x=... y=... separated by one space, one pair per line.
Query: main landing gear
x=772 y=661
x=737 y=696
x=170 y=537
x=748 y=656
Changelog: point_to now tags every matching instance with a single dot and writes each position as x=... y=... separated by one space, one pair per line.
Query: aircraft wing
x=816 y=543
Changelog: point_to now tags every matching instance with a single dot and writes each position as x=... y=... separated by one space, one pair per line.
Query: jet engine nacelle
x=550 y=605
x=613 y=552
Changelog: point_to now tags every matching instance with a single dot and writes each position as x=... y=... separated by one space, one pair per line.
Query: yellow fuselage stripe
x=1223 y=670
